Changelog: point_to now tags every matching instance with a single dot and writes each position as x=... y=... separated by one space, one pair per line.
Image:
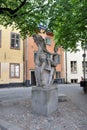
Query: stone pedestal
x=44 y=100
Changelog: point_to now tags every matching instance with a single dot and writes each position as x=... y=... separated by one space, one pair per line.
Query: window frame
x=58 y=74
x=35 y=55
x=14 y=64
x=72 y=67
x=17 y=48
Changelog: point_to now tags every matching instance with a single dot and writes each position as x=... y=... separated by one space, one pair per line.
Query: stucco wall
x=8 y=55
x=75 y=57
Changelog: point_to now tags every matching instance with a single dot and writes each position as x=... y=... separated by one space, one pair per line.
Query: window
x=15 y=40
x=73 y=66
x=14 y=70
x=0 y=38
x=84 y=66
x=58 y=74
x=48 y=41
x=35 y=55
x=74 y=80
x=58 y=59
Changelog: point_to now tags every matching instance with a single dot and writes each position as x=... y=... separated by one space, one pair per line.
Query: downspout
x=66 y=64
x=26 y=53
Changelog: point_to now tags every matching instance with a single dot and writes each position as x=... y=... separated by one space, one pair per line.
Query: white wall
x=75 y=57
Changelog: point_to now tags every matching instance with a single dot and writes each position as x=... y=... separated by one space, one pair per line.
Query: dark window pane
x=35 y=55
x=13 y=35
x=12 y=42
x=58 y=74
x=74 y=66
x=17 y=36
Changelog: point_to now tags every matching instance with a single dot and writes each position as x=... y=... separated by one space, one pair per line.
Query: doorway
x=33 y=80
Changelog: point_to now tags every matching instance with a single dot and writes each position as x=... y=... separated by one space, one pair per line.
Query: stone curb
x=12 y=102
x=62 y=98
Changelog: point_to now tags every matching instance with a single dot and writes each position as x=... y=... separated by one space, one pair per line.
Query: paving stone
x=8 y=126
x=67 y=117
x=3 y=128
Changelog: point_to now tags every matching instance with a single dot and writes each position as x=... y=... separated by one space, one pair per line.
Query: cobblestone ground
x=67 y=117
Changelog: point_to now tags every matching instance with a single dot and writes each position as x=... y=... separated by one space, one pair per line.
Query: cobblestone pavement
x=19 y=113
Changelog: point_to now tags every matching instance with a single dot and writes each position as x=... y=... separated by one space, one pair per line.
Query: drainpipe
x=84 y=55
x=26 y=53
x=66 y=64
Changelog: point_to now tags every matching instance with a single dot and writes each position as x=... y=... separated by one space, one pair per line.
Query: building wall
x=29 y=55
x=60 y=67
x=8 y=55
x=75 y=57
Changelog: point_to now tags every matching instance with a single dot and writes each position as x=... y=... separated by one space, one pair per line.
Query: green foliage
x=69 y=22
x=24 y=14
x=66 y=18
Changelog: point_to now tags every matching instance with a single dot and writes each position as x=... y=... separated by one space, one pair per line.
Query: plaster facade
x=74 y=76
x=9 y=55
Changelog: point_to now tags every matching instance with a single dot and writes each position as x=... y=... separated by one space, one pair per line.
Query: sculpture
x=45 y=63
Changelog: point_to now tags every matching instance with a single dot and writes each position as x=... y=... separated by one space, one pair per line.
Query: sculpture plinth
x=44 y=100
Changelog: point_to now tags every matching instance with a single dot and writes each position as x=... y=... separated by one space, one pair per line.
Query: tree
x=66 y=18
x=25 y=15
x=69 y=23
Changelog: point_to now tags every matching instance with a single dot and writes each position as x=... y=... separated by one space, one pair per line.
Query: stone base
x=44 y=100
x=62 y=98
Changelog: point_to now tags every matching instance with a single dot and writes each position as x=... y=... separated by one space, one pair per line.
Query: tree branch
x=10 y=11
x=3 y=10
x=32 y=9
x=20 y=6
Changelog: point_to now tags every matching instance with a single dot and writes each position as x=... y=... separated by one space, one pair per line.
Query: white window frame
x=15 y=40
x=73 y=66
x=14 y=70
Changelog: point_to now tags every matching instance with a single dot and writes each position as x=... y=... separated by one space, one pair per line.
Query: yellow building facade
x=11 y=57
